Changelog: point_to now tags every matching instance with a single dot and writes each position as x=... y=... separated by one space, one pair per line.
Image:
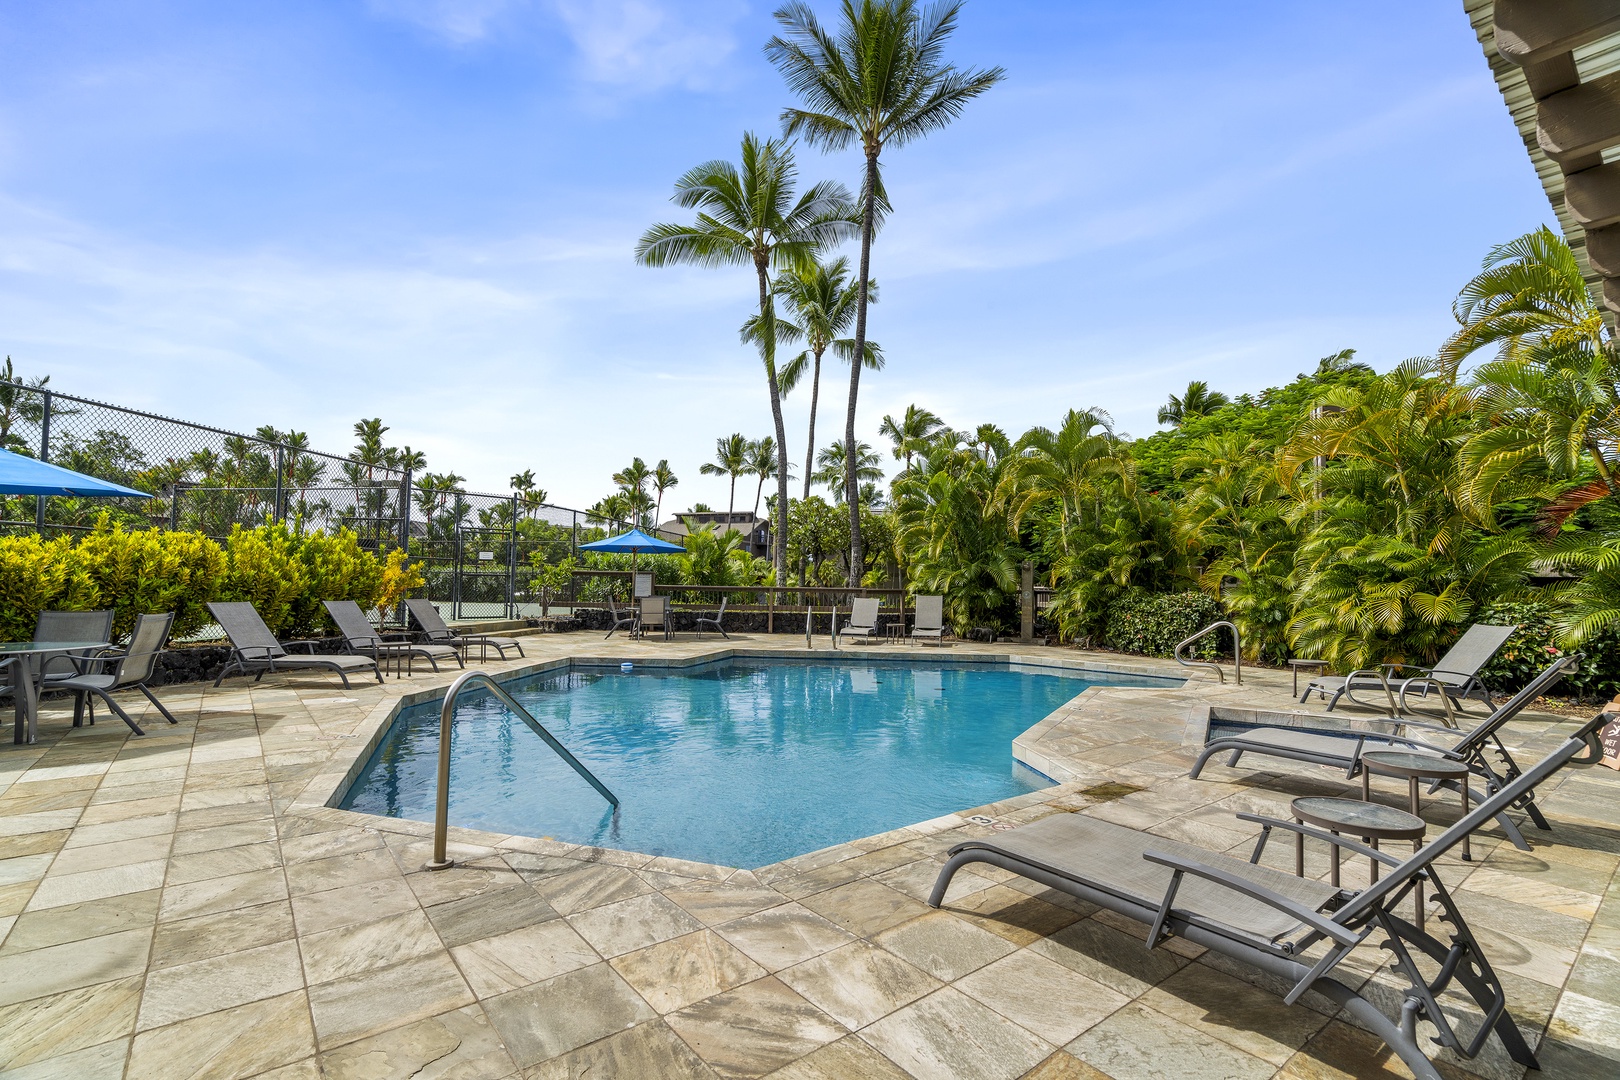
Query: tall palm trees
x=880 y=80
x=762 y=464
x=748 y=215
x=730 y=459
x=821 y=300
x=663 y=478
x=912 y=432
x=1198 y=400
x=834 y=471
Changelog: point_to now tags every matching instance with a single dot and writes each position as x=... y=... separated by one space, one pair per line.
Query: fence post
x=1026 y=601
x=174 y=507
x=280 y=514
x=404 y=533
x=44 y=455
x=455 y=582
x=511 y=564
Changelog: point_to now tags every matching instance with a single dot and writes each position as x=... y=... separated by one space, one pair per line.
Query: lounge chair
x=1455 y=677
x=1267 y=919
x=438 y=632
x=928 y=624
x=862 y=623
x=652 y=614
x=253 y=645
x=714 y=620
x=1476 y=748
x=361 y=639
x=126 y=670
x=622 y=620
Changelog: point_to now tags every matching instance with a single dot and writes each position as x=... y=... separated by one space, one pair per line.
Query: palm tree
x=834 y=473
x=523 y=481
x=911 y=432
x=730 y=459
x=1341 y=362
x=762 y=463
x=1064 y=470
x=822 y=301
x=746 y=216
x=663 y=478
x=1197 y=400
x=1530 y=291
x=880 y=80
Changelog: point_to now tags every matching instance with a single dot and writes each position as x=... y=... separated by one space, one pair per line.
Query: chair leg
x=158 y=704
x=122 y=715
x=78 y=708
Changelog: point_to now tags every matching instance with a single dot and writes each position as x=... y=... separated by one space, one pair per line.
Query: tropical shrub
x=36 y=575
x=1155 y=623
x=149 y=570
x=263 y=568
x=335 y=567
x=1539 y=641
x=399 y=578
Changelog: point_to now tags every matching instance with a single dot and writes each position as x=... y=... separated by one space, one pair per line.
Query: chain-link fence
x=482 y=555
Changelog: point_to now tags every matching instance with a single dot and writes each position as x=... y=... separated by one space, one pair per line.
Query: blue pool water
x=741 y=762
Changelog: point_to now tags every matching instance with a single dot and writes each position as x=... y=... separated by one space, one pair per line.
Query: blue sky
x=305 y=213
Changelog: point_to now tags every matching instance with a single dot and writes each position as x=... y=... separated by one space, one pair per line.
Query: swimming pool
x=741 y=762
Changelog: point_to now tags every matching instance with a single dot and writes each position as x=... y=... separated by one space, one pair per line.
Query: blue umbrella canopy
x=633 y=542
x=21 y=475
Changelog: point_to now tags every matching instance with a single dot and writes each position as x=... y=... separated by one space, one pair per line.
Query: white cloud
x=647 y=45
x=460 y=22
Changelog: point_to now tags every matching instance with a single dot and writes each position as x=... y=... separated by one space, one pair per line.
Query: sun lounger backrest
x=351 y=622
x=243 y=625
x=1516 y=704
x=930 y=613
x=427 y=617
x=145 y=646
x=1481 y=815
x=864 y=613
x=1471 y=652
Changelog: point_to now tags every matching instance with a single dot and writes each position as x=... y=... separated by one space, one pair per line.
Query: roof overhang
x=1557 y=64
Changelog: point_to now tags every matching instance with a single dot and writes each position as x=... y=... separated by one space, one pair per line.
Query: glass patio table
x=24 y=665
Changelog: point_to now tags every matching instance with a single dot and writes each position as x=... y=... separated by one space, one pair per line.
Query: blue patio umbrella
x=633 y=543
x=20 y=475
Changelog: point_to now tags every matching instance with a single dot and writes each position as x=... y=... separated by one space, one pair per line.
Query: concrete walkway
x=183 y=906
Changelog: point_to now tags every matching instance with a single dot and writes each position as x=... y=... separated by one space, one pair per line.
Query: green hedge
x=1537 y=643
x=1155 y=623
x=284 y=575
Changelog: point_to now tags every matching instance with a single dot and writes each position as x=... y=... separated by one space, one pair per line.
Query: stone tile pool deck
x=183 y=906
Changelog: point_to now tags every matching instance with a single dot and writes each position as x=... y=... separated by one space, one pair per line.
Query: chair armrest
x=1324 y=926
x=310 y=642
x=1322 y=834
x=1392 y=668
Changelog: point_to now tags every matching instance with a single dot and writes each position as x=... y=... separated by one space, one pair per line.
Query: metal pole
x=279 y=512
x=404 y=535
x=174 y=507
x=455 y=580
x=511 y=564
x=1026 y=596
x=44 y=455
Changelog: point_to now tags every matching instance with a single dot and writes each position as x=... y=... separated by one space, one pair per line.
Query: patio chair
x=622 y=620
x=652 y=614
x=929 y=622
x=714 y=620
x=253 y=645
x=862 y=624
x=128 y=669
x=69 y=626
x=438 y=632
x=1476 y=748
x=1267 y=919
x=1455 y=677
x=361 y=639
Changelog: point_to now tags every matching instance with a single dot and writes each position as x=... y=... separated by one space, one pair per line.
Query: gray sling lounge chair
x=622 y=620
x=1455 y=678
x=1268 y=919
x=70 y=626
x=652 y=613
x=929 y=622
x=1477 y=748
x=438 y=632
x=862 y=623
x=254 y=646
x=713 y=620
x=362 y=639
x=127 y=670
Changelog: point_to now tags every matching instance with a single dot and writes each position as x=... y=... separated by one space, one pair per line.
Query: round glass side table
x=1414 y=767
x=1370 y=821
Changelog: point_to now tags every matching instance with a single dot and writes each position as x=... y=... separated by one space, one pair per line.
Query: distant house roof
x=1557 y=65
x=745 y=522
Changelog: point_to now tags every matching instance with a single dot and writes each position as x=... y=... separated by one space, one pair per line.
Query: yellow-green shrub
x=149 y=570
x=36 y=575
x=263 y=568
x=336 y=567
x=399 y=580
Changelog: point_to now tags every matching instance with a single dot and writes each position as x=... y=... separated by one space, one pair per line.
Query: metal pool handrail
x=441 y=812
x=1237 y=650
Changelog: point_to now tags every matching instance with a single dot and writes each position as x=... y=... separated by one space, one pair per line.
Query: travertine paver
x=183 y=905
